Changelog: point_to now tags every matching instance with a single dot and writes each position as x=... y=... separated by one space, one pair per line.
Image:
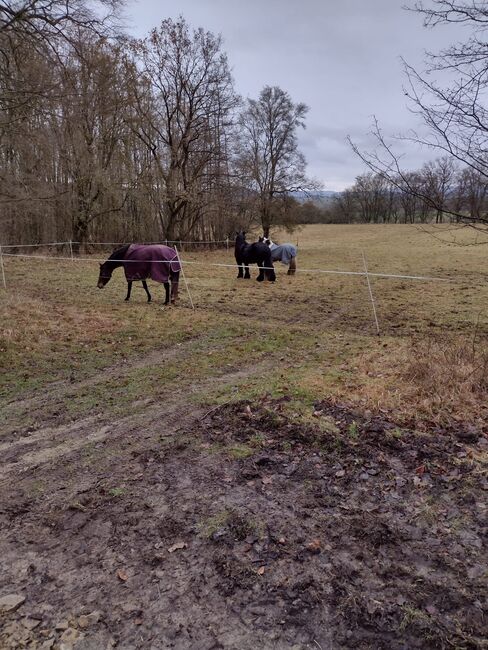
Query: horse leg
x=270 y=273
x=240 y=272
x=144 y=284
x=247 y=275
x=129 y=289
x=293 y=266
x=166 y=289
x=174 y=291
x=260 y=277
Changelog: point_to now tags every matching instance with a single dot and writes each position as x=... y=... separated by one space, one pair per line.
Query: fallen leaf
x=260 y=571
x=122 y=575
x=267 y=480
x=420 y=470
x=314 y=546
x=340 y=473
x=177 y=546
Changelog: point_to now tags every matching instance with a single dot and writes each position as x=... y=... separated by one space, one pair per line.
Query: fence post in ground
x=227 y=243
x=3 y=269
x=370 y=293
x=184 y=278
x=71 y=249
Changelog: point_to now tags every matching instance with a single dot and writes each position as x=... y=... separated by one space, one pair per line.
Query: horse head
x=105 y=275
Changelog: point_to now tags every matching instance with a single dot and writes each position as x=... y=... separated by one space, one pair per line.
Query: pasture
x=261 y=471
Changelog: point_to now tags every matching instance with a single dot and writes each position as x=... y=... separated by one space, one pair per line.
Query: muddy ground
x=243 y=527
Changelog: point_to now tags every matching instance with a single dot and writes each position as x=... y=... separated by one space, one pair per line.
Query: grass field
x=317 y=330
x=121 y=432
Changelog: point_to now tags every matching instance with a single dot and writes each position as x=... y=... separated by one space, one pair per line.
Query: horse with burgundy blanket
x=143 y=261
x=256 y=253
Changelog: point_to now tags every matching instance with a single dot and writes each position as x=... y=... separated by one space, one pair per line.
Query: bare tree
x=374 y=198
x=268 y=155
x=47 y=20
x=46 y=27
x=472 y=193
x=449 y=97
x=183 y=107
x=439 y=179
x=90 y=131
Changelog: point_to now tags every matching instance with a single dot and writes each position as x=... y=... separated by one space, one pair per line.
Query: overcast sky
x=340 y=57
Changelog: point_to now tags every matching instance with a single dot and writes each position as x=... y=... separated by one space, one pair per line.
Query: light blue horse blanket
x=283 y=253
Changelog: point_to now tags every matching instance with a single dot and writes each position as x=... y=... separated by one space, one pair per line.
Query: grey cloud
x=340 y=58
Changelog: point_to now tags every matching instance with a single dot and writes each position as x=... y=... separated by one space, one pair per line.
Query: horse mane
x=119 y=253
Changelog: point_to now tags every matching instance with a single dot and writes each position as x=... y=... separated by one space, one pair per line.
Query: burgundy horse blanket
x=150 y=261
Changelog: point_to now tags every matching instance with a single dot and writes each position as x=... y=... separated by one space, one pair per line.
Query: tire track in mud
x=152 y=358
x=58 y=391
x=52 y=443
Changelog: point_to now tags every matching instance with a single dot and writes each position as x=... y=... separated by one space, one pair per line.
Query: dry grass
x=449 y=377
x=429 y=381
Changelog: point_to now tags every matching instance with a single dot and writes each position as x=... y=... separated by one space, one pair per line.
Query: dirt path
x=115 y=372
x=245 y=528
x=26 y=450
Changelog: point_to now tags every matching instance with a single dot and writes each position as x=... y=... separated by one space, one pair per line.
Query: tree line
x=440 y=191
x=104 y=137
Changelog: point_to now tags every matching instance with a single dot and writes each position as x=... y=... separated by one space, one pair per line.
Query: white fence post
x=184 y=278
x=370 y=293
x=3 y=269
x=71 y=249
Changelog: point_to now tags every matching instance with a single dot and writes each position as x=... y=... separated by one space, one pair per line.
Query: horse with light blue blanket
x=284 y=253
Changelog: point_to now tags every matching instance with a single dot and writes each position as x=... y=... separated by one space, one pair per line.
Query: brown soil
x=245 y=528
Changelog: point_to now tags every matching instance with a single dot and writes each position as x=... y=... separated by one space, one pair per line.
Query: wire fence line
x=233 y=266
x=115 y=243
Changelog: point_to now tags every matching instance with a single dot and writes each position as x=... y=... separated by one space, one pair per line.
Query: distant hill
x=320 y=197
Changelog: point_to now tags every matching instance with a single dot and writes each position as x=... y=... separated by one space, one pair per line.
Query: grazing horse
x=140 y=261
x=284 y=253
x=257 y=253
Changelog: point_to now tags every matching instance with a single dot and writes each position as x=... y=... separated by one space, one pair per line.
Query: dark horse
x=140 y=261
x=257 y=253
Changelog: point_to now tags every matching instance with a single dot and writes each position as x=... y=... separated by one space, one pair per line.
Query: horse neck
x=240 y=243
x=117 y=258
x=113 y=264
